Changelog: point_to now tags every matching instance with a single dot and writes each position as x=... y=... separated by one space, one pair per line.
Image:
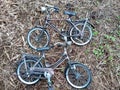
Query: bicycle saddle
x=70 y=13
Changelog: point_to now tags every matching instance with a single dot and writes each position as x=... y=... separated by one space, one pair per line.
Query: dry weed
x=18 y=16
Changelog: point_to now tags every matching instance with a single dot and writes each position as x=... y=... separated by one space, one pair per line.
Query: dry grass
x=18 y=16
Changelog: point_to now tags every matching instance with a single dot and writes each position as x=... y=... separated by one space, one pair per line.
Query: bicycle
x=31 y=69
x=80 y=32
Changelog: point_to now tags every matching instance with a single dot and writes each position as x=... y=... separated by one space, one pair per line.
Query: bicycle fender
x=91 y=25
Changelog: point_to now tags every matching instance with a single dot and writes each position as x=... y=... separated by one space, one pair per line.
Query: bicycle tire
x=87 y=34
x=24 y=76
x=78 y=76
x=38 y=38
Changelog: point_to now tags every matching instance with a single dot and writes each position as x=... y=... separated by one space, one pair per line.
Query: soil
x=101 y=55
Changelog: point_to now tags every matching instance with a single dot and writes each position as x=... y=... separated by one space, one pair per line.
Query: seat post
x=69 y=16
x=43 y=54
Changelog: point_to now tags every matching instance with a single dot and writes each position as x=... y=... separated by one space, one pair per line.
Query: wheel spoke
x=23 y=75
x=79 y=40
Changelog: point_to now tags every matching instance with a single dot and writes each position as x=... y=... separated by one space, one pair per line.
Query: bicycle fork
x=73 y=69
x=38 y=37
x=82 y=33
x=25 y=63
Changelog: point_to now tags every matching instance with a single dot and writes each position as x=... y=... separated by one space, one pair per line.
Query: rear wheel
x=24 y=74
x=83 y=38
x=78 y=75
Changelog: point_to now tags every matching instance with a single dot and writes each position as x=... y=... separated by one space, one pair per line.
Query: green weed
x=118 y=33
x=109 y=37
x=110 y=58
x=95 y=33
x=99 y=52
x=93 y=44
x=87 y=51
x=98 y=21
x=118 y=17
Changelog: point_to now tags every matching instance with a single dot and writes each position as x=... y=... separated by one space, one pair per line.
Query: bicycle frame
x=50 y=68
x=69 y=20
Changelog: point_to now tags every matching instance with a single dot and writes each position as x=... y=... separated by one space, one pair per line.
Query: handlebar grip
x=48 y=5
x=56 y=9
x=43 y=9
x=59 y=45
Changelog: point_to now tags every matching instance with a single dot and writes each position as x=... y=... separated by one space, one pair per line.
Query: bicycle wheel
x=78 y=75
x=86 y=35
x=38 y=38
x=24 y=73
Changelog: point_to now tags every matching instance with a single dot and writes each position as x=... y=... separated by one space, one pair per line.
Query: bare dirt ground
x=101 y=55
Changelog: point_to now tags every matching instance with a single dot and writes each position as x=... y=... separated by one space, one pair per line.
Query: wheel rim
x=38 y=38
x=25 y=76
x=87 y=35
x=80 y=80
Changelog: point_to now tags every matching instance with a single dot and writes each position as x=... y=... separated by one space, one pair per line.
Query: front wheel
x=38 y=38
x=78 y=75
x=24 y=74
x=84 y=36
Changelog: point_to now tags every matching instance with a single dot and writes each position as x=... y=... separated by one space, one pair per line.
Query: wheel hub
x=77 y=75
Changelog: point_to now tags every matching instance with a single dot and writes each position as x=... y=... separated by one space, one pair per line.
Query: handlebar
x=49 y=8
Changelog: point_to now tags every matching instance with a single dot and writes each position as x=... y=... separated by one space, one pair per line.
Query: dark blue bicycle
x=31 y=69
x=80 y=32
